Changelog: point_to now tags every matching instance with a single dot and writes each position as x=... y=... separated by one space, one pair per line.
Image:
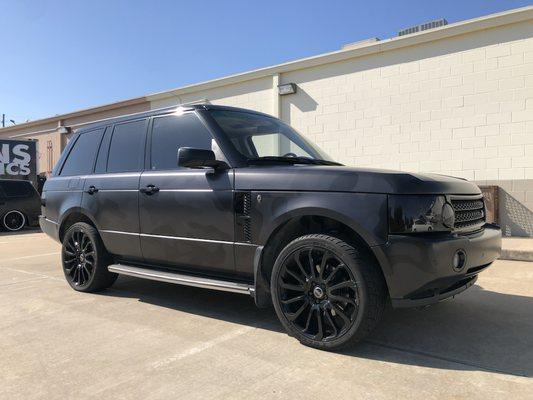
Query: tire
x=350 y=298
x=13 y=221
x=85 y=259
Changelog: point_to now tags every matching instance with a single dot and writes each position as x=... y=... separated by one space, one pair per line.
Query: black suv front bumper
x=418 y=268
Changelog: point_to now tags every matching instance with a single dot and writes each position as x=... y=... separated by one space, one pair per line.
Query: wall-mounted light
x=63 y=130
x=287 y=88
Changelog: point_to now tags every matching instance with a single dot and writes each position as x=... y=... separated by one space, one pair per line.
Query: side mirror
x=199 y=158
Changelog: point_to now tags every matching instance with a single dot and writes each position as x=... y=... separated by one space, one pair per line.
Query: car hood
x=345 y=179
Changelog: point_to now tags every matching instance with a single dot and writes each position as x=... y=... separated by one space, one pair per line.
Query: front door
x=186 y=215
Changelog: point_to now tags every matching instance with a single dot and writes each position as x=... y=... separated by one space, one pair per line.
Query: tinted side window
x=16 y=189
x=126 y=152
x=171 y=132
x=80 y=161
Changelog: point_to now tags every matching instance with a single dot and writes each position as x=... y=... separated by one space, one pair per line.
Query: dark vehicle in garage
x=230 y=199
x=20 y=205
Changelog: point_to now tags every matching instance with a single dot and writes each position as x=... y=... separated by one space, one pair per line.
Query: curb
x=516 y=255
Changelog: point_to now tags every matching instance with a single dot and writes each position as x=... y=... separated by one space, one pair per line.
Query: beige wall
x=49 y=147
x=460 y=106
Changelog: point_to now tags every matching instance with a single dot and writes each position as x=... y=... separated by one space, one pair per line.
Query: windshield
x=262 y=138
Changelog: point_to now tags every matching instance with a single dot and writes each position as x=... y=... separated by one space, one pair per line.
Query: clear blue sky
x=61 y=56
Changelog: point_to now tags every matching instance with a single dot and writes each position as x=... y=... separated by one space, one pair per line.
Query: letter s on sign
x=20 y=150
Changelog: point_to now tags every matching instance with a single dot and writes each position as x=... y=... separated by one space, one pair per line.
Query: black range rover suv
x=230 y=199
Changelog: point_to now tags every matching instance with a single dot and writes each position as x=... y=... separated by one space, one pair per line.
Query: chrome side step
x=180 y=279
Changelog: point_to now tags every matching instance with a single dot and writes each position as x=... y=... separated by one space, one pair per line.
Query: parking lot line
x=32 y=256
x=31 y=273
x=203 y=346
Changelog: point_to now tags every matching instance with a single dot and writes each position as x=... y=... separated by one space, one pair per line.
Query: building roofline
x=397 y=42
x=458 y=28
x=74 y=114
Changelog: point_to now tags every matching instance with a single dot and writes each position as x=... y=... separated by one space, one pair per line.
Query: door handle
x=91 y=190
x=149 y=189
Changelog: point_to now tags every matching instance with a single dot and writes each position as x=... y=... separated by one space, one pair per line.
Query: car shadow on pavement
x=480 y=330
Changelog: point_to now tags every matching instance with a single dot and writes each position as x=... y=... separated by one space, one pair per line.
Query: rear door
x=111 y=194
x=188 y=222
x=64 y=190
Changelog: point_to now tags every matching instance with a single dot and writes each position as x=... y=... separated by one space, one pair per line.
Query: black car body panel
x=276 y=208
x=345 y=179
x=221 y=222
x=418 y=267
x=203 y=204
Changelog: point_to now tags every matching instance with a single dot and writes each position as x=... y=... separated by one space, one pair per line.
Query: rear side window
x=80 y=161
x=16 y=189
x=171 y=132
x=126 y=152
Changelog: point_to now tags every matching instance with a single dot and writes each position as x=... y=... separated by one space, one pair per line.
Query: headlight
x=420 y=213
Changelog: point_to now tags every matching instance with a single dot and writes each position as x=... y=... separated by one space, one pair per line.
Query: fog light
x=459 y=260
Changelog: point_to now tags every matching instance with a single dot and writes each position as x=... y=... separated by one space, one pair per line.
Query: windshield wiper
x=291 y=160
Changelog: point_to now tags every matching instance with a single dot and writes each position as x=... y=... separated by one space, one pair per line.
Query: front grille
x=469 y=213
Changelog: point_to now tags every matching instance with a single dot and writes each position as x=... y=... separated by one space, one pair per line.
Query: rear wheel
x=327 y=294
x=85 y=259
x=13 y=220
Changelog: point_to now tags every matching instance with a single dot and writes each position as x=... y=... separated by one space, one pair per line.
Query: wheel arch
x=71 y=216
x=297 y=223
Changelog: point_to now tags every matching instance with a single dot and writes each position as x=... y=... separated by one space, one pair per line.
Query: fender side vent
x=243 y=207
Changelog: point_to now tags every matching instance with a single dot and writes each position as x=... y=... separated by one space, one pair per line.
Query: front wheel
x=85 y=259
x=327 y=294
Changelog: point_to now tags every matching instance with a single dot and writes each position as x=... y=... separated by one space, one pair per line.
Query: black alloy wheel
x=318 y=293
x=326 y=293
x=14 y=221
x=79 y=258
x=85 y=259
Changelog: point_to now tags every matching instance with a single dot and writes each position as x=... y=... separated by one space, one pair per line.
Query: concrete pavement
x=150 y=340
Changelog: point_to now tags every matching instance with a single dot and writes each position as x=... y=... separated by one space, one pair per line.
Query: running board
x=180 y=279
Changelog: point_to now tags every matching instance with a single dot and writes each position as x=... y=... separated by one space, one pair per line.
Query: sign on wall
x=18 y=160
